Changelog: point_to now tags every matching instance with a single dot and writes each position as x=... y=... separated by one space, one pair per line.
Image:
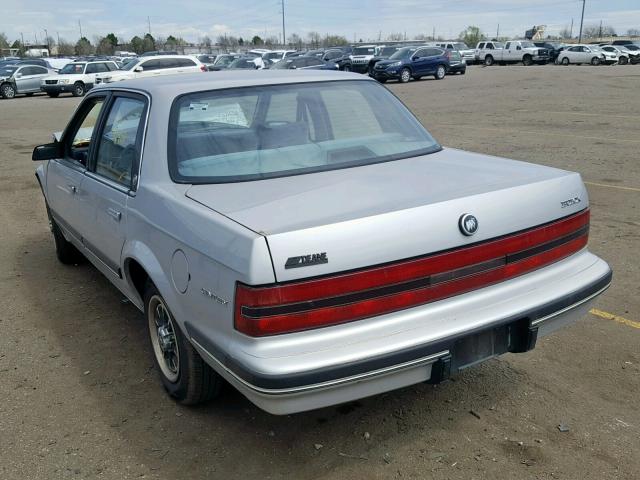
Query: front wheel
x=346 y=68
x=183 y=373
x=441 y=72
x=623 y=60
x=405 y=75
x=565 y=61
x=78 y=89
x=595 y=61
x=7 y=91
x=527 y=60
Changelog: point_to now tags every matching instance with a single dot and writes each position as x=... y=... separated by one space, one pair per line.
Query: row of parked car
x=401 y=62
x=527 y=52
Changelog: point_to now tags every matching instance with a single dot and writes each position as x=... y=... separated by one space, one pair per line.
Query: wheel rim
x=79 y=90
x=9 y=92
x=488 y=61
x=565 y=61
x=441 y=72
x=405 y=75
x=163 y=339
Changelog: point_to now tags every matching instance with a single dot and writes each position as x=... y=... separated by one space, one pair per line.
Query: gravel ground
x=80 y=399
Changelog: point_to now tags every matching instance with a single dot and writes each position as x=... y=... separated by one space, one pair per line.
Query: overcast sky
x=193 y=19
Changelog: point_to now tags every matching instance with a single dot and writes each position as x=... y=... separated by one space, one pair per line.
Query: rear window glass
x=262 y=132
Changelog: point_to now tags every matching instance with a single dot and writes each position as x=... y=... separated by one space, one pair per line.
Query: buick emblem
x=468 y=224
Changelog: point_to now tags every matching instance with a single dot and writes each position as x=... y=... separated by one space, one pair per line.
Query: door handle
x=73 y=189
x=114 y=213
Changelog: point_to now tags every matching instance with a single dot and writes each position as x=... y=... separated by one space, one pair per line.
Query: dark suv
x=554 y=49
x=413 y=62
x=340 y=56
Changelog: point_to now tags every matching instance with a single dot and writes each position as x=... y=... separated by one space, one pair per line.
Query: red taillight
x=302 y=305
x=203 y=68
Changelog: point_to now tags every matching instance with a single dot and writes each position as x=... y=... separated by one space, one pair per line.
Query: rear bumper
x=437 y=344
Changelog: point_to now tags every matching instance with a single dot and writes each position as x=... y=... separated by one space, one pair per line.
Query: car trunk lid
x=353 y=218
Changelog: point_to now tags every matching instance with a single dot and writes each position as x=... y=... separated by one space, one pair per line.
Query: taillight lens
x=203 y=68
x=321 y=302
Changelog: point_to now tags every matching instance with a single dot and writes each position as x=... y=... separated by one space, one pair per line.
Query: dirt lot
x=79 y=398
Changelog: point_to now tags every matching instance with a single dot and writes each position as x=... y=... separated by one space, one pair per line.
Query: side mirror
x=48 y=151
x=415 y=58
x=139 y=68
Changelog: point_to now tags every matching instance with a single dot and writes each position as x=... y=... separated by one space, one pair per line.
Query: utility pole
x=581 y=21
x=498 y=33
x=284 y=36
x=22 y=37
x=600 y=32
x=149 y=24
x=46 y=39
x=80 y=26
x=58 y=35
x=433 y=36
x=571 y=31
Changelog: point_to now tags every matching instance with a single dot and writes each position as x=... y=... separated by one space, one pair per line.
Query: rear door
x=66 y=197
x=112 y=176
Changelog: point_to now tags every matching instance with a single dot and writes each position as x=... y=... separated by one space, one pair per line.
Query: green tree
x=241 y=41
x=104 y=46
x=137 y=45
x=84 y=47
x=472 y=35
x=4 y=42
x=256 y=40
x=113 y=40
x=148 y=43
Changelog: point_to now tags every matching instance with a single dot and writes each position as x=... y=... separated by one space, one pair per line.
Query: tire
x=183 y=373
x=405 y=75
x=527 y=60
x=464 y=70
x=565 y=61
x=595 y=61
x=488 y=60
x=623 y=60
x=53 y=94
x=66 y=252
x=78 y=89
x=7 y=91
x=346 y=68
x=441 y=72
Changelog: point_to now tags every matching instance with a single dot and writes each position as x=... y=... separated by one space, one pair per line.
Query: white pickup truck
x=513 y=51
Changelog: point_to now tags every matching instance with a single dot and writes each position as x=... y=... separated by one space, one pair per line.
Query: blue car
x=413 y=62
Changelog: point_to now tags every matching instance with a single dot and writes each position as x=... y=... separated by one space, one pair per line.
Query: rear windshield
x=263 y=132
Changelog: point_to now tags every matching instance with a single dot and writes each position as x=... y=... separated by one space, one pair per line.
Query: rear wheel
x=441 y=72
x=183 y=373
x=595 y=61
x=405 y=75
x=488 y=60
x=78 y=89
x=527 y=60
x=565 y=61
x=7 y=91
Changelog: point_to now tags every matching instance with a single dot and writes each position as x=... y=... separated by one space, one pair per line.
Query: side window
x=40 y=71
x=111 y=66
x=169 y=63
x=185 y=62
x=151 y=65
x=118 y=146
x=490 y=46
x=420 y=53
x=507 y=45
x=480 y=45
x=24 y=71
x=92 y=68
x=78 y=148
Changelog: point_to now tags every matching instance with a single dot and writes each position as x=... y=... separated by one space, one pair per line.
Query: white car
x=154 y=66
x=76 y=77
x=624 y=55
x=269 y=58
x=579 y=54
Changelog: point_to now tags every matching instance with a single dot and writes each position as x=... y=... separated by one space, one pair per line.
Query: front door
x=66 y=197
x=112 y=177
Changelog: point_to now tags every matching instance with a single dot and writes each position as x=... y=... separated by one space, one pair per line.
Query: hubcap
x=405 y=75
x=440 y=72
x=8 y=91
x=79 y=90
x=163 y=339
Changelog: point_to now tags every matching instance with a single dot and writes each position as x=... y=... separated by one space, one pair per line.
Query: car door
x=90 y=73
x=38 y=73
x=65 y=193
x=23 y=78
x=112 y=177
x=419 y=61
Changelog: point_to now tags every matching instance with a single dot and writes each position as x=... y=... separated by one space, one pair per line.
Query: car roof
x=171 y=86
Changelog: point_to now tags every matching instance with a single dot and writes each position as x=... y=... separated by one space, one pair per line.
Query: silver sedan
x=303 y=237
